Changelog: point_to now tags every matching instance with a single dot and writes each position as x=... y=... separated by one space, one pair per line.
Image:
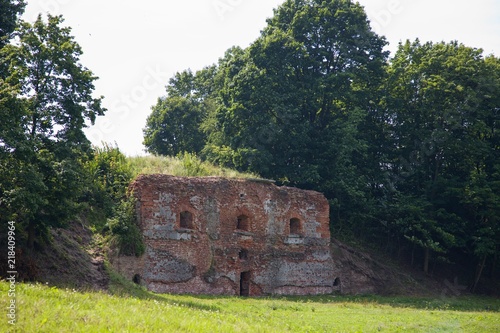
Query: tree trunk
x=412 y=255
x=478 y=274
x=31 y=235
x=387 y=242
x=426 y=260
x=494 y=264
x=399 y=249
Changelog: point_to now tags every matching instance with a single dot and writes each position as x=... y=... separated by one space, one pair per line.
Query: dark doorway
x=245 y=284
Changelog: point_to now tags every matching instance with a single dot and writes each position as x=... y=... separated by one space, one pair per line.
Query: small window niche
x=295 y=227
x=243 y=254
x=186 y=220
x=243 y=223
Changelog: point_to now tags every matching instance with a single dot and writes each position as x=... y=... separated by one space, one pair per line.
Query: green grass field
x=42 y=308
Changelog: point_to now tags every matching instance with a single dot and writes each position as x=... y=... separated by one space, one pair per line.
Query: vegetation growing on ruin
x=113 y=208
x=184 y=164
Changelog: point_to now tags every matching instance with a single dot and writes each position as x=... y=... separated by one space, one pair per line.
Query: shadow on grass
x=465 y=303
x=461 y=303
x=121 y=287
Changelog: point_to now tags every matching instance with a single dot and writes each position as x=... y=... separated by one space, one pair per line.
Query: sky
x=135 y=47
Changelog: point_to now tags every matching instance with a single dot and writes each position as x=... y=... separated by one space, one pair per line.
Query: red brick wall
x=206 y=259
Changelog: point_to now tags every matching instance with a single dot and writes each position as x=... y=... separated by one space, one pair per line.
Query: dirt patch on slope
x=73 y=259
x=359 y=272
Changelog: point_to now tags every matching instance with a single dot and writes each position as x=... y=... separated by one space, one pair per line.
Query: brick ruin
x=230 y=236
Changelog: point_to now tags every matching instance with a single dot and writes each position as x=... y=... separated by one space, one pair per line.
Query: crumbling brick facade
x=230 y=236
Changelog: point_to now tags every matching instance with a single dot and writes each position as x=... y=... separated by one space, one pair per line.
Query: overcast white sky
x=134 y=47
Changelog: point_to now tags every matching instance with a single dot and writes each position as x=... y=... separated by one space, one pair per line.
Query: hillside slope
x=360 y=272
x=73 y=259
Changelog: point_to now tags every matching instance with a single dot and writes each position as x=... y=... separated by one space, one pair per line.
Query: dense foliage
x=406 y=149
x=46 y=102
x=443 y=109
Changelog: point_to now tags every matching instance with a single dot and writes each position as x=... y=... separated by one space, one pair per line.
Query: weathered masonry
x=227 y=236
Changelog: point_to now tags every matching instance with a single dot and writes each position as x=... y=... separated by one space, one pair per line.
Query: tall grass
x=41 y=308
x=184 y=165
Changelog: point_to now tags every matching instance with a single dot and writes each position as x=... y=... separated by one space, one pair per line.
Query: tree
x=20 y=181
x=11 y=10
x=10 y=107
x=442 y=108
x=480 y=194
x=57 y=88
x=292 y=105
x=54 y=102
x=406 y=150
x=174 y=125
x=482 y=202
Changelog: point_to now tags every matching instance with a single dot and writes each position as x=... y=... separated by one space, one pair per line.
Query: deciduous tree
x=51 y=105
x=174 y=125
x=444 y=118
x=295 y=101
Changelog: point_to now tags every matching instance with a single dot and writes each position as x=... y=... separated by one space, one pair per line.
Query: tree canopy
x=174 y=124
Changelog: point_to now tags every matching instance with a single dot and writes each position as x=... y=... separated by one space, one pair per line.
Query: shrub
x=124 y=229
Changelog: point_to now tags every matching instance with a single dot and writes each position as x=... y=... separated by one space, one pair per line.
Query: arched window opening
x=243 y=254
x=186 y=220
x=243 y=223
x=295 y=228
x=336 y=282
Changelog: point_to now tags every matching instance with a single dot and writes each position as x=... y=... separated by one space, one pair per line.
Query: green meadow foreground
x=42 y=308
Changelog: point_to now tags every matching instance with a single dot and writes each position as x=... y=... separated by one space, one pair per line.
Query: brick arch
x=296 y=226
x=186 y=218
x=243 y=219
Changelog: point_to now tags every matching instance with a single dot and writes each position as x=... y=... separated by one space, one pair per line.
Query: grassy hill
x=41 y=308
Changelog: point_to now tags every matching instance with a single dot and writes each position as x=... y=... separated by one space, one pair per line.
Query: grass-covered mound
x=186 y=164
